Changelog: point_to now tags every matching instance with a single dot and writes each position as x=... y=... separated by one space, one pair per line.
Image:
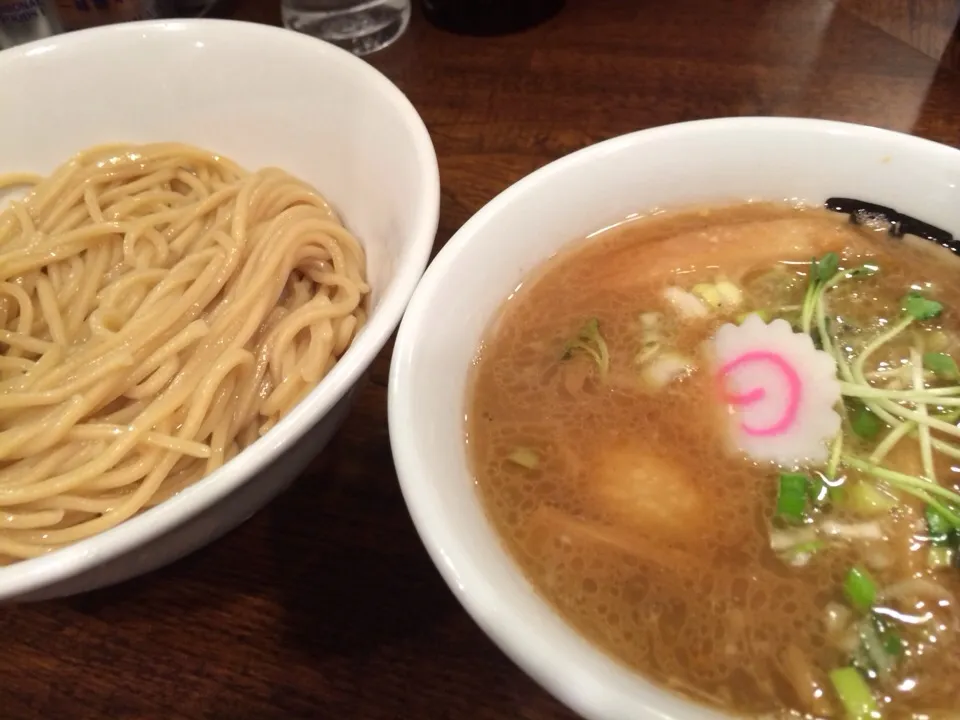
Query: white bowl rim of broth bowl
x=217 y=70
x=708 y=161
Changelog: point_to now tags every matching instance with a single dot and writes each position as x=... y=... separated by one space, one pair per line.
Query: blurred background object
x=360 y=26
x=22 y=21
x=67 y=15
x=25 y=20
x=489 y=17
x=194 y=8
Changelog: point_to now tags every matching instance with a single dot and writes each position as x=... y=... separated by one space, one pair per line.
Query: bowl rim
x=63 y=563
x=512 y=630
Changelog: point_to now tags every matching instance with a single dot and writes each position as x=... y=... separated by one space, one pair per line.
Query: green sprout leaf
x=942 y=364
x=827 y=266
x=921 y=308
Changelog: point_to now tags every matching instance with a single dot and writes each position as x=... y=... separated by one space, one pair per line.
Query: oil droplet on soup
x=602 y=452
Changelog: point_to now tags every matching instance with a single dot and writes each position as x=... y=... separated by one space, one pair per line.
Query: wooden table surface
x=325 y=604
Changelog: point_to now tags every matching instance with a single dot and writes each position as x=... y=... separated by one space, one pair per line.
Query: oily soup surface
x=623 y=502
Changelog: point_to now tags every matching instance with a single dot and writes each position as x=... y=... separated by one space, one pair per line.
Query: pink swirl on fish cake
x=757 y=394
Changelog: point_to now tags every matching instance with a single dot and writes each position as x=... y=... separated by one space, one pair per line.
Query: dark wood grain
x=325 y=605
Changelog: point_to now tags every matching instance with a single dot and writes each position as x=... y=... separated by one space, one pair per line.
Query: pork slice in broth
x=741 y=247
x=551 y=525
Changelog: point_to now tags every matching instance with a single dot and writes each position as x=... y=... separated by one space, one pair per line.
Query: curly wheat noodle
x=160 y=308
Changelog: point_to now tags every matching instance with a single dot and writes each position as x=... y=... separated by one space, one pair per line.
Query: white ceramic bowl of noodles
x=264 y=97
x=707 y=161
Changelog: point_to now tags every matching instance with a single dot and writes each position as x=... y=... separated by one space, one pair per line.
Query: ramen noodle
x=160 y=309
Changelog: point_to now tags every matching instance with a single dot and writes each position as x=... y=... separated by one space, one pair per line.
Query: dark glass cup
x=489 y=17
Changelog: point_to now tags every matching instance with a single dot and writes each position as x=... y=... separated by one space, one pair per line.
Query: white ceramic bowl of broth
x=264 y=97
x=706 y=162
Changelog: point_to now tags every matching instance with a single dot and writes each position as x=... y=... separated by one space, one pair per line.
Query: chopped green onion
x=808 y=547
x=763 y=314
x=651 y=348
x=730 y=294
x=709 y=294
x=800 y=554
x=792 y=497
x=863 y=421
x=525 y=458
x=947 y=510
x=874 y=657
x=854 y=694
x=862 y=662
x=892 y=643
x=786 y=539
x=650 y=320
x=590 y=341
x=827 y=266
x=864 y=498
x=838 y=494
x=650 y=327
x=891 y=640
x=942 y=364
x=665 y=368
x=939 y=558
x=923 y=489
x=921 y=308
x=938 y=526
x=860 y=589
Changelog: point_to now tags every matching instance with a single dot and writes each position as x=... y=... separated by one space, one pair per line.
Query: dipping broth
x=603 y=448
